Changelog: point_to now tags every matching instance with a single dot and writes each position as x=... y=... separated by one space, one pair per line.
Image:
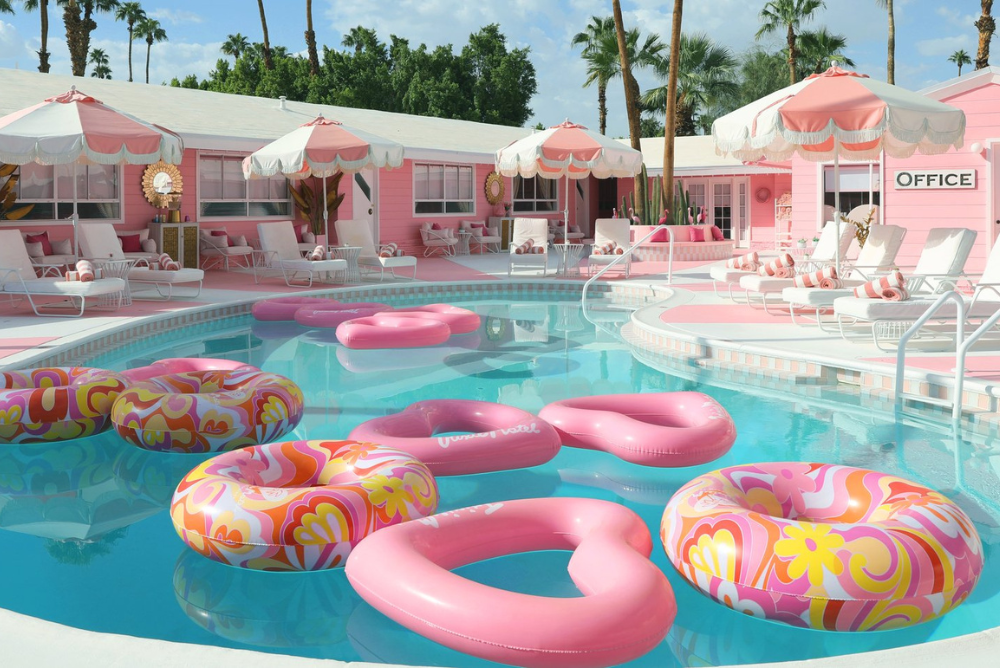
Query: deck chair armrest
x=983 y=288
x=55 y=270
x=947 y=282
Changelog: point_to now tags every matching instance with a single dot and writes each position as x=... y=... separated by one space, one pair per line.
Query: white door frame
x=361 y=210
x=581 y=187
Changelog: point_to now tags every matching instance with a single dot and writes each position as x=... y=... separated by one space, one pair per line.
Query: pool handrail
x=628 y=253
x=950 y=295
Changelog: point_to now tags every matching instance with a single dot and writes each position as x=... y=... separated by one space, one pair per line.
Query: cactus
x=654 y=205
x=681 y=212
x=8 y=195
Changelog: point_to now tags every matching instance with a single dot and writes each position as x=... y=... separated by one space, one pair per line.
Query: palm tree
x=99 y=59
x=235 y=46
x=601 y=65
x=358 y=38
x=78 y=17
x=960 y=58
x=986 y=25
x=268 y=62
x=5 y=7
x=154 y=33
x=788 y=14
x=43 y=9
x=311 y=41
x=632 y=109
x=670 y=114
x=706 y=72
x=890 y=63
x=131 y=13
x=818 y=49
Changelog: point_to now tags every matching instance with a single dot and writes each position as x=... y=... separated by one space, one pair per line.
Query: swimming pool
x=89 y=544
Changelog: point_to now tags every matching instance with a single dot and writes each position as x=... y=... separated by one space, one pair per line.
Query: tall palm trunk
x=43 y=53
x=631 y=105
x=131 y=36
x=311 y=40
x=87 y=26
x=602 y=105
x=268 y=62
x=986 y=25
x=792 y=53
x=149 y=47
x=76 y=39
x=670 y=119
x=890 y=63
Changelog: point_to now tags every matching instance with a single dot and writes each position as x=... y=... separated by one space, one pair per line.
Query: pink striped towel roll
x=895 y=294
x=813 y=278
x=784 y=272
x=784 y=260
x=85 y=270
x=744 y=261
x=537 y=250
x=317 y=254
x=831 y=284
x=388 y=250
x=171 y=265
x=873 y=289
x=164 y=260
x=524 y=248
x=606 y=249
x=72 y=276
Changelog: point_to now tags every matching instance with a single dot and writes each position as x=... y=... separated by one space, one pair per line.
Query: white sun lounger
x=536 y=229
x=19 y=280
x=607 y=230
x=281 y=251
x=358 y=233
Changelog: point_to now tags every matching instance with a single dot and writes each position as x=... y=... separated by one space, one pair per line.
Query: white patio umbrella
x=837 y=114
x=75 y=128
x=321 y=148
x=568 y=150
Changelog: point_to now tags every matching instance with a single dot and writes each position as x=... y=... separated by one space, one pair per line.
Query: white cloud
x=175 y=17
x=957 y=18
x=14 y=51
x=945 y=46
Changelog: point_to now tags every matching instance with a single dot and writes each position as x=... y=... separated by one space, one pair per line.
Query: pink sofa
x=684 y=248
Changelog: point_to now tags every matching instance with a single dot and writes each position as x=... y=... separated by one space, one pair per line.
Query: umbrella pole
x=76 y=217
x=836 y=194
x=326 y=214
x=566 y=215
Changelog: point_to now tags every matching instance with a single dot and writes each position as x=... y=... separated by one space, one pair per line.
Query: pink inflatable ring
x=459 y=320
x=388 y=331
x=626 y=610
x=331 y=315
x=284 y=308
x=503 y=437
x=664 y=429
x=183 y=365
x=823 y=546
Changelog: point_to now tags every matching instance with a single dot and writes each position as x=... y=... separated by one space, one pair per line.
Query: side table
x=350 y=254
x=116 y=269
x=463 y=242
x=569 y=257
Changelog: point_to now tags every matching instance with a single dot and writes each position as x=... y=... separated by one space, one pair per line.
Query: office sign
x=944 y=179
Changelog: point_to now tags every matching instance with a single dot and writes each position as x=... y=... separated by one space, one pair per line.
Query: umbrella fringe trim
x=123 y=156
x=325 y=169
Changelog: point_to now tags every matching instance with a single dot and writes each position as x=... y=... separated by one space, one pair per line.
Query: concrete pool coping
x=37 y=642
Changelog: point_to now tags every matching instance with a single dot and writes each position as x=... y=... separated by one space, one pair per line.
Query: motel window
x=443 y=189
x=224 y=193
x=536 y=194
x=859 y=185
x=50 y=189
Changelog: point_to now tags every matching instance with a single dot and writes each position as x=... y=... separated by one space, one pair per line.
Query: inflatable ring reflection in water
x=284 y=308
x=653 y=429
x=503 y=437
x=626 y=610
x=298 y=505
x=823 y=546
x=55 y=403
x=331 y=315
x=388 y=331
x=207 y=411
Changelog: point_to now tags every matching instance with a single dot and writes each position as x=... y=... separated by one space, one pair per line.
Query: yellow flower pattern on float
x=812 y=549
x=389 y=494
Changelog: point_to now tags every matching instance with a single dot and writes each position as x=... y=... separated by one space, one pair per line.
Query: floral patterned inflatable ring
x=298 y=505
x=55 y=403
x=501 y=437
x=822 y=546
x=626 y=609
x=207 y=411
x=284 y=308
x=459 y=320
x=654 y=429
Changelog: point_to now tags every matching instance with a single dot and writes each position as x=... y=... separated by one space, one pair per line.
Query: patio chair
x=537 y=230
x=99 y=244
x=18 y=279
x=280 y=250
x=607 y=230
x=437 y=241
x=556 y=228
x=216 y=250
x=136 y=245
x=60 y=258
x=940 y=268
x=487 y=238
x=824 y=254
x=358 y=233
x=877 y=257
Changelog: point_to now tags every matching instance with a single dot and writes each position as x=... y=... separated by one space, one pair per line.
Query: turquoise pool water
x=88 y=541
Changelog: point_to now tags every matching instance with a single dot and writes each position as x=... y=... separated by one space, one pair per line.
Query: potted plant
x=801 y=243
x=310 y=208
x=815 y=241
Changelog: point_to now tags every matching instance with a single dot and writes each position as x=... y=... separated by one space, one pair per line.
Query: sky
x=927 y=33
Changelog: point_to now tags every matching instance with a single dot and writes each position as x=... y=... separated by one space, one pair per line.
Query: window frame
x=444 y=200
x=74 y=170
x=534 y=200
x=228 y=156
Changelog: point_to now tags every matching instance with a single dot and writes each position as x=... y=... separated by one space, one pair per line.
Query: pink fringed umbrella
x=74 y=127
x=839 y=114
x=568 y=150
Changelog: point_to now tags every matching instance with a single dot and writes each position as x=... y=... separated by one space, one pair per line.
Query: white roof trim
x=963 y=84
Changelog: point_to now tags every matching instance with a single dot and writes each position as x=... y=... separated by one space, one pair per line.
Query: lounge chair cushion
x=907 y=311
x=58 y=286
x=817 y=297
x=726 y=275
x=183 y=275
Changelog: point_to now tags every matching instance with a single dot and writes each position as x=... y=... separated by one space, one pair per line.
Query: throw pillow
x=43 y=239
x=301 y=231
x=241 y=240
x=696 y=234
x=62 y=247
x=492 y=231
x=475 y=225
x=717 y=234
x=35 y=249
x=435 y=226
x=131 y=243
x=660 y=236
x=574 y=229
x=308 y=238
x=148 y=245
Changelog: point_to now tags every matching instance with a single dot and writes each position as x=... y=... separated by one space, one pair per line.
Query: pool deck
x=685 y=327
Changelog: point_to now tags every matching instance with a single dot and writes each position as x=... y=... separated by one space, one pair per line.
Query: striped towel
x=72 y=276
x=388 y=250
x=814 y=278
x=524 y=248
x=744 y=261
x=537 y=250
x=895 y=294
x=873 y=289
x=606 y=249
x=167 y=263
x=784 y=261
x=317 y=254
x=85 y=270
x=831 y=284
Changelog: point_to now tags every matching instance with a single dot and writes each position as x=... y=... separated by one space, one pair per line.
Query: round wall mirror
x=494 y=188
x=159 y=182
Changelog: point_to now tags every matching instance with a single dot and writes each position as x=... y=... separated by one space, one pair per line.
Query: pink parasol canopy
x=569 y=150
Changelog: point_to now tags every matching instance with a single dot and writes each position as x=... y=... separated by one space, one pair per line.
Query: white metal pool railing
x=963 y=349
x=627 y=254
x=951 y=295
